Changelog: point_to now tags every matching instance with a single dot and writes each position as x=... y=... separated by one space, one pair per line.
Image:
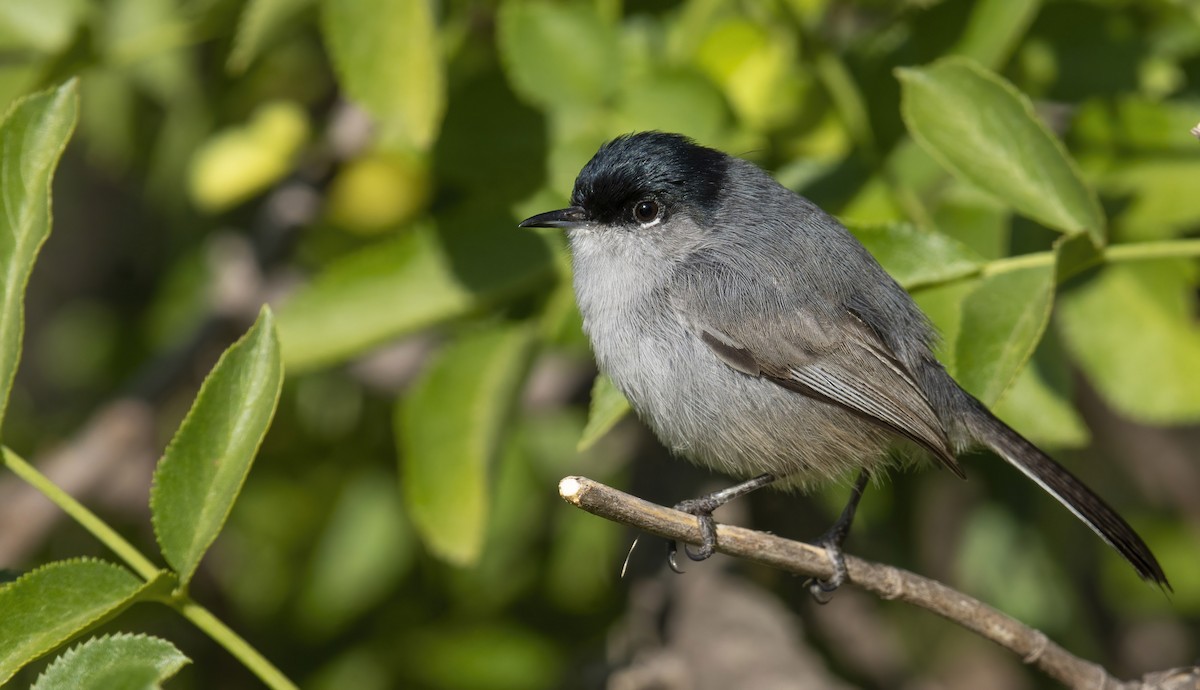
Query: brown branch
x=889 y=583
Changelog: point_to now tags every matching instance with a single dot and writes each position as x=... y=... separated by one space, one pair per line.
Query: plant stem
x=1141 y=251
x=99 y=529
x=1117 y=253
x=225 y=636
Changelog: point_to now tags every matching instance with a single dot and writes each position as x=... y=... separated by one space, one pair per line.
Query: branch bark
x=889 y=583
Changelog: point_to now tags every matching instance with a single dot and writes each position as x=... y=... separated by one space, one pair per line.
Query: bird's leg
x=703 y=508
x=822 y=590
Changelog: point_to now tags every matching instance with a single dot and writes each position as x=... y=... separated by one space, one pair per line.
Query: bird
x=756 y=336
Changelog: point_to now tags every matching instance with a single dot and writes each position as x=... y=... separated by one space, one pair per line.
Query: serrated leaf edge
x=266 y=320
x=164 y=672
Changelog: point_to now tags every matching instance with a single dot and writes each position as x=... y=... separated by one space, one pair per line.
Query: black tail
x=1069 y=491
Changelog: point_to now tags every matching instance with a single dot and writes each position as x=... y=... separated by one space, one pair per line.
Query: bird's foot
x=822 y=590
x=703 y=509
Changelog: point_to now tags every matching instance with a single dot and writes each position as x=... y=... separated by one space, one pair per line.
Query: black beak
x=564 y=218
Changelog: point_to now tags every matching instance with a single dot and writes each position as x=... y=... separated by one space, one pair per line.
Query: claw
x=672 y=551
x=822 y=590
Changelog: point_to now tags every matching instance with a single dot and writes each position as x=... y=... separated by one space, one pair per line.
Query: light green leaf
x=559 y=55
x=388 y=58
x=916 y=258
x=986 y=132
x=607 y=408
x=995 y=27
x=449 y=428
x=32 y=138
x=50 y=605
x=1002 y=323
x=117 y=662
x=261 y=20
x=204 y=467
x=394 y=288
x=1132 y=329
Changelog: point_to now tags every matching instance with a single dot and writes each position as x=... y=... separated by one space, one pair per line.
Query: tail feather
x=1072 y=493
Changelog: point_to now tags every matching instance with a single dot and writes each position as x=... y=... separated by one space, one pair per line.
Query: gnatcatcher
x=756 y=336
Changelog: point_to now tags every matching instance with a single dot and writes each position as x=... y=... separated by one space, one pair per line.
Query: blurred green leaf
x=995 y=27
x=985 y=131
x=1135 y=122
x=116 y=662
x=448 y=429
x=202 y=471
x=50 y=605
x=752 y=63
x=1014 y=567
x=391 y=289
x=559 y=56
x=364 y=550
x=481 y=657
x=260 y=21
x=607 y=408
x=45 y=26
x=388 y=58
x=916 y=258
x=1002 y=323
x=1133 y=331
x=1040 y=413
x=236 y=163
x=672 y=101
x=1160 y=195
x=943 y=305
x=32 y=139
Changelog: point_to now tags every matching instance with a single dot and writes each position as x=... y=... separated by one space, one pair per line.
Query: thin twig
x=889 y=583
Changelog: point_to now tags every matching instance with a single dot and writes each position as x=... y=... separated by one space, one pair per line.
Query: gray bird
x=756 y=336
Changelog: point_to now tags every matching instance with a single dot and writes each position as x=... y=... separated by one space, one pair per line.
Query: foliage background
x=362 y=165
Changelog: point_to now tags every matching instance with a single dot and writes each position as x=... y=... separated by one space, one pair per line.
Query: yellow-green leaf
x=388 y=58
x=449 y=427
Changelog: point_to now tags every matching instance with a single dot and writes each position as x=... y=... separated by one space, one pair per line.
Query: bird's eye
x=645 y=211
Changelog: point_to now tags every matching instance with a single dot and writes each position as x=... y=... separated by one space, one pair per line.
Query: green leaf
x=995 y=27
x=917 y=258
x=32 y=139
x=116 y=662
x=449 y=428
x=1041 y=413
x=363 y=551
x=1133 y=331
x=260 y=22
x=391 y=289
x=607 y=408
x=1002 y=323
x=985 y=131
x=561 y=55
x=50 y=605
x=388 y=58
x=204 y=467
